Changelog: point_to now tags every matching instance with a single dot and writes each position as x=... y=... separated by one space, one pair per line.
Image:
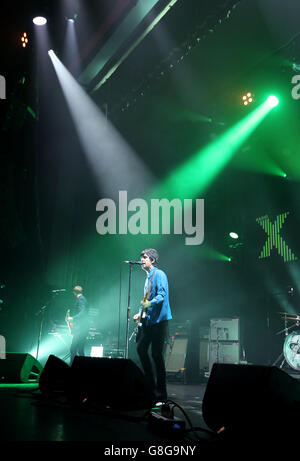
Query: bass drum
x=291 y=350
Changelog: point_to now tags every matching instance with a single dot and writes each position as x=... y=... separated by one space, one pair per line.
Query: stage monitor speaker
x=109 y=382
x=54 y=377
x=243 y=398
x=176 y=354
x=19 y=368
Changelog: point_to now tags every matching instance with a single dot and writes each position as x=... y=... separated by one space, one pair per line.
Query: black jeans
x=154 y=335
x=78 y=343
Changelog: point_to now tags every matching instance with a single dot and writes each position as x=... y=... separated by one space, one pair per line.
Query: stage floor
x=27 y=416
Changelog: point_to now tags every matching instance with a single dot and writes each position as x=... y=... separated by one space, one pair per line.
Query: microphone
x=58 y=291
x=133 y=262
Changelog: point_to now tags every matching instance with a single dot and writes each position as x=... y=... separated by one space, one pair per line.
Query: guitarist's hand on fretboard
x=145 y=304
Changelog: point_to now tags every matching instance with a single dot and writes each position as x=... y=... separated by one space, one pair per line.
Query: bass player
x=77 y=321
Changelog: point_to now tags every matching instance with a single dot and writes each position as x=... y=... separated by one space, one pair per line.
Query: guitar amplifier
x=203 y=354
x=113 y=353
x=225 y=329
x=224 y=352
x=176 y=353
x=224 y=341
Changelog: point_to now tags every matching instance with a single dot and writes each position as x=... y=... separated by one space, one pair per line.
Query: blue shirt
x=159 y=297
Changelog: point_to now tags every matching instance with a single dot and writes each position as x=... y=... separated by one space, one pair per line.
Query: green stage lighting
x=272 y=101
x=199 y=171
x=274 y=240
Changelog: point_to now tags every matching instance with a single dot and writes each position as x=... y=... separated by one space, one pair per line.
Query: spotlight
x=24 y=40
x=39 y=21
x=233 y=235
x=272 y=101
x=247 y=98
x=296 y=66
x=71 y=18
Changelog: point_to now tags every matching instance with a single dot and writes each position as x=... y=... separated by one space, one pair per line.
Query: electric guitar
x=142 y=319
x=69 y=321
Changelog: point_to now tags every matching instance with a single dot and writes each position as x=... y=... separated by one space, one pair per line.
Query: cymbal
x=292 y=317
x=287 y=313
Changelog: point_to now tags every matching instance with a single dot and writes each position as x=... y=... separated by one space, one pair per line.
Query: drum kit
x=291 y=346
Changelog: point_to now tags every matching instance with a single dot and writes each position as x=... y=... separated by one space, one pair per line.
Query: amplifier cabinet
x=176 y=353
x=224 y=352
x=226 y=329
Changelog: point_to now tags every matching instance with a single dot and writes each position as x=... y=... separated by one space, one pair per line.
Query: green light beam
x=195 y=175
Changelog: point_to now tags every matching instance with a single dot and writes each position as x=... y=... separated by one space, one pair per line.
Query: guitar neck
x=146 y=296
x=144 y=309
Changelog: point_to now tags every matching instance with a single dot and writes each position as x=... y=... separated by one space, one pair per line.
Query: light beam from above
x=113 y=162
x=39 y=21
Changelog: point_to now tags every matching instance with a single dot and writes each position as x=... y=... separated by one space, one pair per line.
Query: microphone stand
x=128 y=311
x=41 y=312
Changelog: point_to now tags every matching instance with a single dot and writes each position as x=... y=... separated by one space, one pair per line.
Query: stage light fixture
x=247 y=98
x=72 y=18
x=272 y=101
x=24 y=40
x=296 y=66
x=233 y=235
x=39 y=21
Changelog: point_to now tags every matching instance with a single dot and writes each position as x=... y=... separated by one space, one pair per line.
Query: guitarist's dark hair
x=78 y=290
x=153 y=255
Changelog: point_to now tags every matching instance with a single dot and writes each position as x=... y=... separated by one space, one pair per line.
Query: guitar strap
x=149 y=286
x=148 y=291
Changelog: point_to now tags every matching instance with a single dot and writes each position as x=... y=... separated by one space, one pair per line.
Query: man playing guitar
x=78 y=323
x=154 y=314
